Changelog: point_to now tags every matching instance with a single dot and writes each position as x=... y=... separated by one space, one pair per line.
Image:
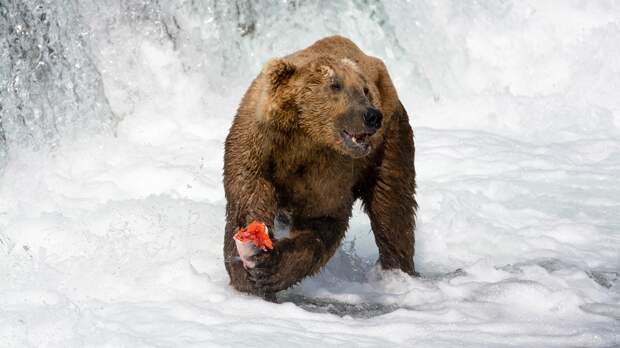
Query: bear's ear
x=278 y=71
x=276 y=105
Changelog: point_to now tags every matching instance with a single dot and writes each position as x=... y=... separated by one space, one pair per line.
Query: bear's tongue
x=356 y=141
x=358 y=137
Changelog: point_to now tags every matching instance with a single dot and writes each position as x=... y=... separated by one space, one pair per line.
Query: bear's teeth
x=354 y=140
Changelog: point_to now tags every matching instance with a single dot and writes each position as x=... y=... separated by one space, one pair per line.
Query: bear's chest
x=319 y=185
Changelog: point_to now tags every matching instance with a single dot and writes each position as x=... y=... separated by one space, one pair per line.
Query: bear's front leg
x=390 y=198
x=252 y=199
x=301 y=255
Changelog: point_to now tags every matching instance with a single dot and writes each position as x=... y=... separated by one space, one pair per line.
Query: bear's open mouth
x=356 y=140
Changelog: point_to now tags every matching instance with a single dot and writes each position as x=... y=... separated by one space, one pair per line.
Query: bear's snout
x=373 y=118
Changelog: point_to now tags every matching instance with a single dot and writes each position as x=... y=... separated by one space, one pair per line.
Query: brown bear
x=317 y=130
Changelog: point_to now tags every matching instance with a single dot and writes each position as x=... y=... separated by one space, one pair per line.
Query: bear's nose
x=373 y=118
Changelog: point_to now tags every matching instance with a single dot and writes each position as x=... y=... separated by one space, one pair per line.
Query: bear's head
x=329 y=100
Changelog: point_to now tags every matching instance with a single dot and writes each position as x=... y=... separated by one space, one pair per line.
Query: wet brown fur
x=284 y=153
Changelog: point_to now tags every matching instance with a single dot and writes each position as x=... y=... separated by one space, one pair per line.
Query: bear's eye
x=366 y=91
x=336 y=86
